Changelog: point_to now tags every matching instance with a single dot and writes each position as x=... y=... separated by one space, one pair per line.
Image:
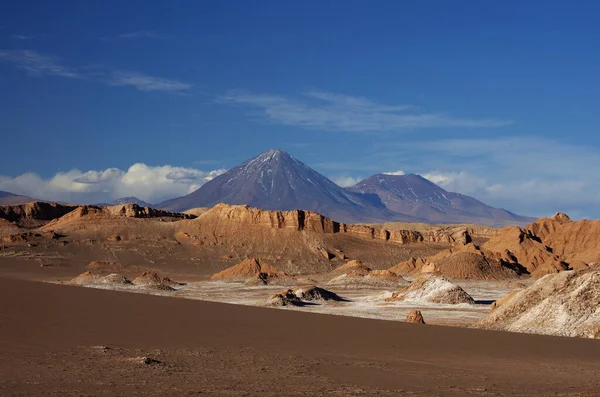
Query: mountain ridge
x=8 y=198
x=274 y=180
x=417 y=196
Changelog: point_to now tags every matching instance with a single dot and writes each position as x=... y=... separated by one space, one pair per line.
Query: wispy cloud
x=140 y=34
x=37 y=64
x=146 y=83
x=335 y=112
x=21 y=37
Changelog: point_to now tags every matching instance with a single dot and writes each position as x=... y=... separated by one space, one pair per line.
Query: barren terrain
x=80 y=341
x=341 y=293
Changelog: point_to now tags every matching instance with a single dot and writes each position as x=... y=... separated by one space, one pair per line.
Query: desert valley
x=541 y=277
x=299 y=198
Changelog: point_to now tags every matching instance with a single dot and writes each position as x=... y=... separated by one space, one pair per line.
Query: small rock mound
x=89 y=278
x=284 y=298
x=251 y=270
x=354 y=267
x=151 y=279
x=415 y=316
x=410 y=266
x=313 y=293
x=563 y=304
x=114 y=238
x=355 y=274
x=432 y=289
x=109 y=267
x=150 y=361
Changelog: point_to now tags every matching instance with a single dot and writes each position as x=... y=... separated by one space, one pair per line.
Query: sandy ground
x=361 y=302
x=63 y=340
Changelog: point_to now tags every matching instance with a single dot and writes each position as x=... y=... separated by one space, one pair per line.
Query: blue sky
x=498 y=100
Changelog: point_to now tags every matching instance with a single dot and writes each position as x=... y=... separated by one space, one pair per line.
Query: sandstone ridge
x=301 y=220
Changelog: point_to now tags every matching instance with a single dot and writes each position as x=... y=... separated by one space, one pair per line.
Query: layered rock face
x=465 y=262
x=301 y=220
x=136 y=211
x=37 y=214
x=31 y=214
x=547 y=246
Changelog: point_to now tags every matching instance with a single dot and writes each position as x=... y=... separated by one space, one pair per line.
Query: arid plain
x=114 y=338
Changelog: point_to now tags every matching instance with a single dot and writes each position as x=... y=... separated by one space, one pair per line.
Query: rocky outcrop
x=250 y=269
x=464 y=262
x=151 y=279
x=116 y=216
x=284 y=298
x=311 y=221
x=89 y=278
x=432 y=289
x=136 y=211
x=301 y=295
x=563 y=304
x=547 y=246
x=415 y=316
x=34 y=214
x=355 y=274
x=313 y=293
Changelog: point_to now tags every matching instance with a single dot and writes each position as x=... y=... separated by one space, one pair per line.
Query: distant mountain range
x=420 y=198
x=131 y=200
x=7 y=198
x=274 y=180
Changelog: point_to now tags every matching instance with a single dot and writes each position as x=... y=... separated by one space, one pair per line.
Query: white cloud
x=37 y=64
x=43 y=65
x=99 y=176
x=399 y=172
x=336 y=112
x=460 y=182
x=346 y=181
x=149 y=183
